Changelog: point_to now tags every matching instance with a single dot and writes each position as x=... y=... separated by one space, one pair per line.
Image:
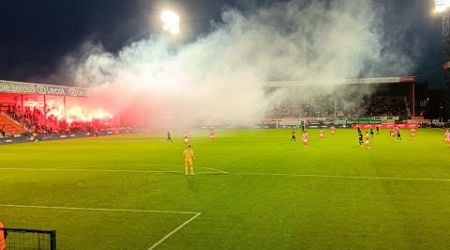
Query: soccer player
x=399 y=136
x=447 y=136
x=378 y=129
x=321 y=134
x=305 y=139
x=413 y=132
x=360 y=139
x=332 y=130
x=367 y=139
x=188 y=160
x=169 y=137
x=371 y=132
x=392 y=132
x=293 y=137
x=186 y=137
x=212 y=133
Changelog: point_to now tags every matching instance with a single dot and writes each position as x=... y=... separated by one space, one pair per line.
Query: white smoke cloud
x=221 y=77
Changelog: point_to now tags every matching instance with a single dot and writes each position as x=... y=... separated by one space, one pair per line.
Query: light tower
x=443 y=7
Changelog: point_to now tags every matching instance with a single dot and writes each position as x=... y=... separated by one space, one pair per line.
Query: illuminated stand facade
x=21 y=96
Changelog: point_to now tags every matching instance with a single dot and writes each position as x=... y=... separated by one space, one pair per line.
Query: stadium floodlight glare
x=442 y=5
x=171 y=21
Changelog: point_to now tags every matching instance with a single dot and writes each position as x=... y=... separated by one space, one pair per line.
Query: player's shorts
x=188 y=163
x=305 y=140
x=367 y=141
x=186 y=140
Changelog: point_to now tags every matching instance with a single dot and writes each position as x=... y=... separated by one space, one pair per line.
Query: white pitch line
x=111 y=170
x=236 y=173
x=218 y=170
x=174 y=231
x=173 y=165
x=349 y=177
x=92 y=170
x=100 y=209
x=196 y=214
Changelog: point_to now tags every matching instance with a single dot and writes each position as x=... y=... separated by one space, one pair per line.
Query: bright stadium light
x=171 y=21
x=441 y=5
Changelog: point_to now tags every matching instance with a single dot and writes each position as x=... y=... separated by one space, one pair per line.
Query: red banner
x=386 y=125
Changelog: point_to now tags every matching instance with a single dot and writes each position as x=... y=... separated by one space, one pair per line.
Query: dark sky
x=36 y=34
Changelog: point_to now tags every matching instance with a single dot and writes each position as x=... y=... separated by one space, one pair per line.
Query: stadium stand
x=364 y=97
x=9 y=126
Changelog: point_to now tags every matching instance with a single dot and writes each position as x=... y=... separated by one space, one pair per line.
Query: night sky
x=36 y=35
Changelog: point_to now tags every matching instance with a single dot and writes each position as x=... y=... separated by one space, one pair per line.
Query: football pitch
x=253 y=189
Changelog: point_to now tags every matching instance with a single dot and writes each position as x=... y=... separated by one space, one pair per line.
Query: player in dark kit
x=361 y=139
x=293 y=137
x=371 y=132
x=169 y=137
x=399 y=137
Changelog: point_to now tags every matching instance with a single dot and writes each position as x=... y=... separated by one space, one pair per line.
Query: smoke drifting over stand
x=220 y=78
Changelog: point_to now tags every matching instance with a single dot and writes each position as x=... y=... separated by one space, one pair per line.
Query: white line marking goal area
x=193 y=217
x=215 y=171
x=221 y=172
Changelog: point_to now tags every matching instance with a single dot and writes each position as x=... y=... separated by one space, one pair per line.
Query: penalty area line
x=215 y=169
x=93 y=170
x=174 y=231
x=195 y=215
x=112 y=170
x=99 y=209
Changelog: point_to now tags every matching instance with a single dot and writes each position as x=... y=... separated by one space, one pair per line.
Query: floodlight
x=171 y=21
x=442 y=5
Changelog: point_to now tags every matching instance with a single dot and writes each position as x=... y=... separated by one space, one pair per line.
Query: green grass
x=408 y=209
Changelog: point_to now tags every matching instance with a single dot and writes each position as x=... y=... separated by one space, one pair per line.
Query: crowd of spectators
x=35 y=121
x=328 y=106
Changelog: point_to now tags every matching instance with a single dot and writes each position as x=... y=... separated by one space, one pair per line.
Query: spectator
x=3 y=235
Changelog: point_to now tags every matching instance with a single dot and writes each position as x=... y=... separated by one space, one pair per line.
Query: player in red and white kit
x=413 y=132
x=447 y=137
x=305 y=139
x=367 y=139
x=392 y=132
x=212 y=133
x=332 y=130
x=186 y=137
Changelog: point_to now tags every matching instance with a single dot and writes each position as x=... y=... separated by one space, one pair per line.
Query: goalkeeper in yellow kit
x=188 y=160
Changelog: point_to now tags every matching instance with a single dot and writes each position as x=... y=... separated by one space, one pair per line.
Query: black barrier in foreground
x=30 y=239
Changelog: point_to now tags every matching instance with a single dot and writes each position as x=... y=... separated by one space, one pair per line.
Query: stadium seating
x=328 y=106
x=10 y=126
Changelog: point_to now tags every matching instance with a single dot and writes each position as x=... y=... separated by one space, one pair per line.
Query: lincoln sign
x=41 y=89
